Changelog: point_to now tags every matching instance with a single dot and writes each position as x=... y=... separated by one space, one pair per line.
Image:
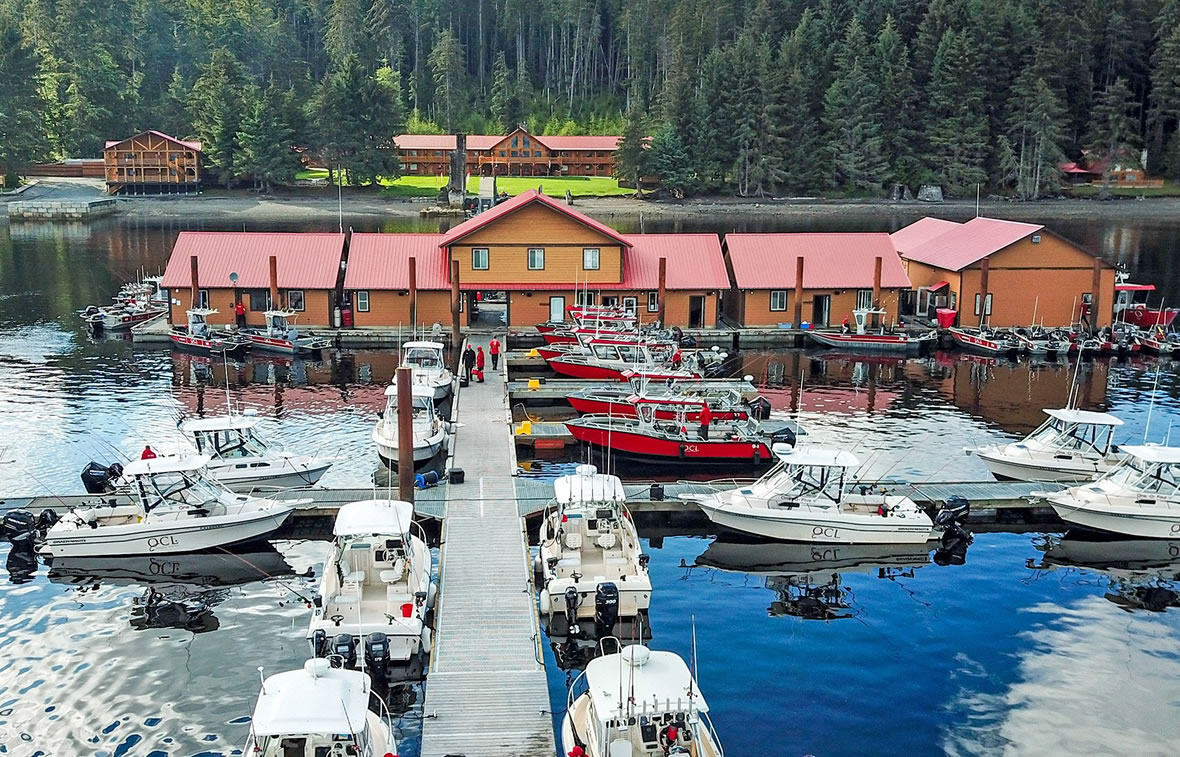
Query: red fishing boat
x=670 y=402
x=871 y=335
x=1129 y=308
x=197 y=336
x=984 y=342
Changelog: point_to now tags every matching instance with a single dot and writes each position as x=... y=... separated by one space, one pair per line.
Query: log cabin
x=152 y=162
x=516 y=154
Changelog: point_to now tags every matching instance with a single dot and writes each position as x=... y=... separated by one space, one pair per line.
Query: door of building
x=557 y=309
x=820 y=310
x=696 y=311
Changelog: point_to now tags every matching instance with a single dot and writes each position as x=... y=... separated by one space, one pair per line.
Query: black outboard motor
x=99 y=478
x=952 y=546
x=953 y=512
x=344 y=648
x=760 y=408
x=572 y=600
x=606 y=608
x=21 y=561
x=319 y=643
x=47 y=520
x=784 y=436
x=19 y=526
x=377 y=655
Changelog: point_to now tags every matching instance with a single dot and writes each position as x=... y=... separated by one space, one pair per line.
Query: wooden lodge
x=382 y=290
x=152 y=163
x=1005 y=273
x=299 y=271
x=827 y=274
x=515 y=154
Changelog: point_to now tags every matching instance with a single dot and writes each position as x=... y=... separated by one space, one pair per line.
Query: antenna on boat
x=261 y=679
x=1151 y=407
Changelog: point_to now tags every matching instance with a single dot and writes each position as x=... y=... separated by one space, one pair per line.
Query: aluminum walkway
x=486 y=692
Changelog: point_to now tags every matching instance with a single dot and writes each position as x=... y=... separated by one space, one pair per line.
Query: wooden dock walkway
x=486 y=691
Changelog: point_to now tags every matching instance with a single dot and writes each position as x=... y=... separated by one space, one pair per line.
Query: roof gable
x=190 y=144
x=968 y=243
x=507 y=208
x=834 y=260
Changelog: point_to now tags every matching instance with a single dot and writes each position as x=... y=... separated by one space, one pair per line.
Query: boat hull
x=979 y=345
x=1004 y=466
x=424 y=452
x=1141 y=523
x=866 y=342
x=590 y=405
x=203 y=345
x=283 y=346
x=121 y=322
x=1145 y=318
x=801 y=527
x=691 y=449
x=170 y=537
x=289 y=476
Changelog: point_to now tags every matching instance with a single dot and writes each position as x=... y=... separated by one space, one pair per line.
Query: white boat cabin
x=422 y=408
x=1149 y=471
x=318 y=711
x=869 y=321
x=226 y=437
x=198 y=323
x=280 y=324
x=1068 y=429
x=815 y=475
x=174 y=483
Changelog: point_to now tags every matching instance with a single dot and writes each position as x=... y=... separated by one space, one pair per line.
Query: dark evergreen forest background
x=752 y=96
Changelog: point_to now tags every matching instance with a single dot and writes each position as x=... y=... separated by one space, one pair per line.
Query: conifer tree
x=631 y=153
x=21 y=107
x=669 y=160
x=218 y=105
x=504 y=104
x=851 y=117
x=1114 y=125
x=956 y=125
x=1035 y=132
x=267 y=141
x=446 y=65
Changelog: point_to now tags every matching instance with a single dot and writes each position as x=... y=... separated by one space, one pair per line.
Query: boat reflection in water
x=180 y=590
x=1141 y=574
x=806 y=577
x=21 y=562
x=574 y=651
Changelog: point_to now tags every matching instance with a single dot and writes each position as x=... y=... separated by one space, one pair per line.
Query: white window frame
x=653 y=302
x=597 y=255
x=362 y=301
x=864 y=299
x=541 y=251
x=583 y=298
x=774 y=293
x=476 y=254
x=631 y=305
x=987 y=305
x=302 y=300
x=203 y=298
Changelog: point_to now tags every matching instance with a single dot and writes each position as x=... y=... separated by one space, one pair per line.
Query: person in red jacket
x=494 y=349
x=706 y=418
x=240 y=311
x=147 y=453
x=479 y=362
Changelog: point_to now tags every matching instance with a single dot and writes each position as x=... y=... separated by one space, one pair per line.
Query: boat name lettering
x=827 y=532
x=824 y=555
x=156 y=542
x=164 y=568
x=1175 y=528
x=692 y=448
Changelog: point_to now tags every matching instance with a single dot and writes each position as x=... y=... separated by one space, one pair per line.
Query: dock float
x=486 y=690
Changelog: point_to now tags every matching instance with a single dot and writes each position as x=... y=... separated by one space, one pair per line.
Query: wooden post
x=877 y=282
x=274 y=282
x=195 y=293
x=455 y=338
x=405 y=433
x=799 y=292
x=982 y=292
x=413 y=275
x=663 y=292
x=1095 y=295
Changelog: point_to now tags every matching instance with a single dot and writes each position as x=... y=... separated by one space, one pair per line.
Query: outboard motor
x=952 y=546
x=319 y=642
x=99 y=478
x=19 y=526
x=784 y=436
x=21 y=562
x=47 y=520
x=760 y=408
x=953 y=512
x=606 y=608
x=344 y=647
x=377 y=655
x=572 y=600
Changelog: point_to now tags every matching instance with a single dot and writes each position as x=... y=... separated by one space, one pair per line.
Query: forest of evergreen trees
x=752 y=96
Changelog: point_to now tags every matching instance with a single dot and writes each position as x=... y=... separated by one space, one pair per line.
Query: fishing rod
x=266 y=575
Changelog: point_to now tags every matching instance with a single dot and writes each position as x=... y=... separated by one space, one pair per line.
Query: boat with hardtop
x=870 y=333
x=427 y=361
x=1071 y=445
x=242 y=460
x=199 y=336
x=281 y=335
x=429 y=429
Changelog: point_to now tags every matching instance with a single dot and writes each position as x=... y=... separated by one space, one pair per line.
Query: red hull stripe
x=649 y=446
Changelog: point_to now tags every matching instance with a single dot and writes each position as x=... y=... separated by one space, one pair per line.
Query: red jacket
x=479 y=358
x=240 y=309
x=706 y=415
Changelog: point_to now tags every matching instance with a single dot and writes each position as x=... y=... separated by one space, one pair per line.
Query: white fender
x=544 y=596
x=425 y=639
x=431 y=595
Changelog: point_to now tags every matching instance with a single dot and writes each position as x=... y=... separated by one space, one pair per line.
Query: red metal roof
x=694 y=262
x=969 y=243
x=920 y=232
x=488 y=141
x=379 y=261
x=830 y=260
x=581 y=142
x=509 y=206
x=305 y=260
x=191 y=144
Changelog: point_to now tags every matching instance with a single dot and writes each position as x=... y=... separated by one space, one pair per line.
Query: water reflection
x=1140 y=574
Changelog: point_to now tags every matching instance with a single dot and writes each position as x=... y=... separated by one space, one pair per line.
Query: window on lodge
x=516 y=153
x=864 y=299
x=502 y=154
x=778 y=299
x=515 y=143
x=536 y=259
x=202 y=298
x=526 y=141
x=362 y=302
x=295 y=300
x=259 y=299
x=653 y=302
x=590 y=259
x=479 y=259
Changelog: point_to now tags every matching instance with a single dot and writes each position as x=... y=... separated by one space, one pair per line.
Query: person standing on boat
x=147 y=453
x=677 y=358
x=706 y=419
x=240 y=312
x=479 y=362
x=468 y=362
x=494 y=350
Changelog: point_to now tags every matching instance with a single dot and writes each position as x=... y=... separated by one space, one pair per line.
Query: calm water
x=1017 y=650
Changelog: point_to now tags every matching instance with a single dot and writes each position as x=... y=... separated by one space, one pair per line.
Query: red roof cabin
x=152 y=162
x=515 y=154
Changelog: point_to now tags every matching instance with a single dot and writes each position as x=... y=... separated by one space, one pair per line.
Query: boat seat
x=355 y=577
x=396 y=596
x=570 y=560
x=607 y=541
x=573 y=540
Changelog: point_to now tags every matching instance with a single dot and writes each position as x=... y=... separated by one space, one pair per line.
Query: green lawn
x=428 y=186
x=1169 y=189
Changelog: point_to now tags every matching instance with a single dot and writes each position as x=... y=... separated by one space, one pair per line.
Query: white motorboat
x=590 y=559
x=637 y=703
x=428 y=363
x=175 y=507
x=282 y=335
x=1071 y=445
x=807 y=497
x=240 y=457
x=199 y=337
x=375 y=590
x=318 y=711
x=1138 y=497
x=430 y=431
x=872 y=335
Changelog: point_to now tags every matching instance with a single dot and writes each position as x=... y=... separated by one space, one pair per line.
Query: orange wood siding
x=757 y=312
x=391 y=309
x=317 y=308
x=531 y=308
x=151 y=159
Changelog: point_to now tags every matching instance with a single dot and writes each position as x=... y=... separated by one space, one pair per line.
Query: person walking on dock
x=494 y=349
x=468 y=362
x=479 y=362
x=240 y=312
x=706 y=419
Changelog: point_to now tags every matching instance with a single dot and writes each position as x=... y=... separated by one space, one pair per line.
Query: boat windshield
x=421 y=407
x=312 y=745
x=794 y=481
x=230 y=443
x=422 y=358
x=176 y=489
x=1160 y=479
x=1081 y=437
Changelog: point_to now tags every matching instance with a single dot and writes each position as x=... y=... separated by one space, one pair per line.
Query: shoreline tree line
x=755 y=97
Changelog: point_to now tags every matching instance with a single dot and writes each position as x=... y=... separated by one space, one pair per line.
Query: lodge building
x=152 y=162
x=515 y=154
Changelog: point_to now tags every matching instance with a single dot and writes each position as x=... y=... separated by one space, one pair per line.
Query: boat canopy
x=655 y=682
x=589 y=486
x=318 y=699
x=816 y=457
x=220 y=423
x=1134 y=287
x=165 y=465
x=1087 y=417
x=374 y=516
x=1154 y=453
x=202 y=312
x=423 y=345
x=282 y=313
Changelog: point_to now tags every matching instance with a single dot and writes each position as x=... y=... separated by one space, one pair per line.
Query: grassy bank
x=1169 y=189
x=555 y=186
